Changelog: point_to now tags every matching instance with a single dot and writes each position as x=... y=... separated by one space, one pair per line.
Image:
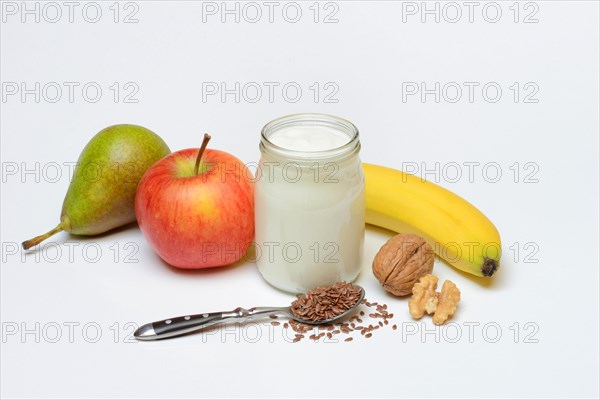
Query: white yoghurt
x=309 y=138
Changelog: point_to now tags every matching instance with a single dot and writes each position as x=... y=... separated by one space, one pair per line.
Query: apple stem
x=199 y=157
x=39 y=239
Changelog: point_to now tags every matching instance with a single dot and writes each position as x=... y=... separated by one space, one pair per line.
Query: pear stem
x=39 y=239
x=199 y=157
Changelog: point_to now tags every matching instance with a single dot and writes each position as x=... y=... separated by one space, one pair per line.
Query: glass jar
x=309 y=202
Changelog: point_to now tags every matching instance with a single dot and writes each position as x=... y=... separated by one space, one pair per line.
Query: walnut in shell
x=401 y=262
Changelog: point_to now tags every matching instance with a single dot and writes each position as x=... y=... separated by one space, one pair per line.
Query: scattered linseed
x=275 y=323
x=351 y=324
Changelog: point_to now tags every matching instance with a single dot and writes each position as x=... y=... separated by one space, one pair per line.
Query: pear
x=101 y=194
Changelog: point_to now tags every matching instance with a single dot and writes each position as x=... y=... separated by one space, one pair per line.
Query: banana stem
x=39 y=239
x=199 y=157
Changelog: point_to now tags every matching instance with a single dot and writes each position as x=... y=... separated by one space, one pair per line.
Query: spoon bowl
x=329 y=320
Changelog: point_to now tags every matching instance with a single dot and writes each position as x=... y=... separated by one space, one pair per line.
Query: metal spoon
x=181 y=325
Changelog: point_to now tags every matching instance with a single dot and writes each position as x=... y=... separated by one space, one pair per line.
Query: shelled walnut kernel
x=426 y=300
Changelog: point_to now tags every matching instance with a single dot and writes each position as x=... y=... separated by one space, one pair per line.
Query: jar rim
x=332 y=121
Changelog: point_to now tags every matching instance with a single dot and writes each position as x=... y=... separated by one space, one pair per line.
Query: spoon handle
x=189 y=323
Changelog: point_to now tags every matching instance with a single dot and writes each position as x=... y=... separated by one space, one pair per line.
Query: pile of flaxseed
x=326 y=302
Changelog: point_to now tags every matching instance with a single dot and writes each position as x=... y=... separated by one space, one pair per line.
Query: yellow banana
x=456 y=230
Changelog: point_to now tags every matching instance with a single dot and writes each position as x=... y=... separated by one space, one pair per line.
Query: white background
x=548 y=212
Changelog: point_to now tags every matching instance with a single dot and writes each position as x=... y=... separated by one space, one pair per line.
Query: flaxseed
x=326 y=302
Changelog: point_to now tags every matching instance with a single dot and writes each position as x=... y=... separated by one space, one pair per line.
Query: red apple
x=196 y=208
